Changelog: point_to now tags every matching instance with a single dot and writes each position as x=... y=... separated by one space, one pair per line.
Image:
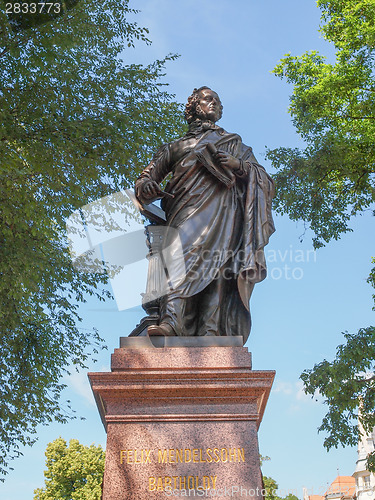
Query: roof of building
x=342 y=487
x=316 y=497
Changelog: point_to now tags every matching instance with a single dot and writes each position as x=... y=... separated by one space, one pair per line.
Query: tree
x=271 y=487
x=76 y=124
x=347 y=383
x=74 y=472
x=333 y=109
x=331 y=180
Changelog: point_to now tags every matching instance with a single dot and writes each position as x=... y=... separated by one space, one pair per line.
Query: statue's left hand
x=227 y=160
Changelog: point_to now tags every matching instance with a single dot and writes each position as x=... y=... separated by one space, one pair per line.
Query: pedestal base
x=181 y=421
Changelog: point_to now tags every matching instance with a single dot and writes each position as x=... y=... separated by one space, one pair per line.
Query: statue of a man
x=219 y=200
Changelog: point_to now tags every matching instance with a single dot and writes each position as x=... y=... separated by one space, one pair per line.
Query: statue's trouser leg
x=210 y=301
x=180 y=314
x=220 y=310
x=235 y=319
x=200 y=314
x=216 y=310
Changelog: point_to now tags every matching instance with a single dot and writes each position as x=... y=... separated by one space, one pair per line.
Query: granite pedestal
x=182 y=417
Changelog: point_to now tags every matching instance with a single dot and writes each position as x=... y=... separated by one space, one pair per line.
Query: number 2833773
x=33 y=8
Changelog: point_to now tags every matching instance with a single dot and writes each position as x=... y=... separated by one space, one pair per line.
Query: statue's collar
x=199 y=126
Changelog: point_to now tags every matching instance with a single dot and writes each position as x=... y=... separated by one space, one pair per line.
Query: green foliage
x=333 y=109
x=74 y=472
x=76 y=124
x=371 y=280
x=347 y=386
x=331 y=180
x=271 y=487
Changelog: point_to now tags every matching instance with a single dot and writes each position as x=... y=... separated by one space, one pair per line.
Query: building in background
x=342 y=488
x=365 y=480
x=360 y=486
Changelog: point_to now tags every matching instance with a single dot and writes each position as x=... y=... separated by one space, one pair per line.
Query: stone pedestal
x=181 y=420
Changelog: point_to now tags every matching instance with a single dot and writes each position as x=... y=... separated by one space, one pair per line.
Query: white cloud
x=301 y=395
x=295 y=393
x=79 y=383
x=284 y=387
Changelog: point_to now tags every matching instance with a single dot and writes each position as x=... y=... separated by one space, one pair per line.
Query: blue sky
x=308 y=299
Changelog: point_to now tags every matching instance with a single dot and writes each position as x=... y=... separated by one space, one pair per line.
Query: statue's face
x=210 y=105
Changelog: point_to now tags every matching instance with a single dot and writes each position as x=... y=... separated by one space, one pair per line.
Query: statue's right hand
x=151 y=189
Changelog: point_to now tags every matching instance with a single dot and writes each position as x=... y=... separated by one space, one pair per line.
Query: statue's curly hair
x=192 y=108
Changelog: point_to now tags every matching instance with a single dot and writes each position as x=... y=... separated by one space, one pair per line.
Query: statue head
x=203 y=104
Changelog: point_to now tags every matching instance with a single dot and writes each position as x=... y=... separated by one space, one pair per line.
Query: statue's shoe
x=161 y=330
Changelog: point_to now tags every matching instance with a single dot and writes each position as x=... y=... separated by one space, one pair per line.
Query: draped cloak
x=219 y=227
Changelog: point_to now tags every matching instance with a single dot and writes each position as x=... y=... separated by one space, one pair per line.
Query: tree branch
x=359 y=117
x=2 y=54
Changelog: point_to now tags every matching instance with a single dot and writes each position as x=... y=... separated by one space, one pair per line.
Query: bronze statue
x=219 y=200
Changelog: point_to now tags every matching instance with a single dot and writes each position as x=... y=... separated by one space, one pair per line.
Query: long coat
x=221 y=227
